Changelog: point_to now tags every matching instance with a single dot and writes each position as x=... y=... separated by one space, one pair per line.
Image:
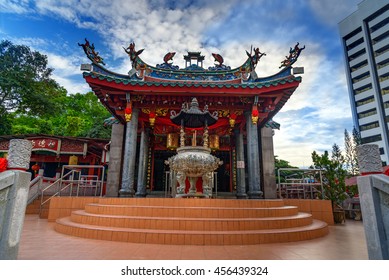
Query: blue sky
x=313 y=119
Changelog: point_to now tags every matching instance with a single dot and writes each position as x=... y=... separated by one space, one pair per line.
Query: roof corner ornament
x=90 y=52
x=294 y=53
x=133 y=54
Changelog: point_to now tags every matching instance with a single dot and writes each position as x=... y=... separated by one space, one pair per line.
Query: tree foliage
x=350 y=144
x=280 y=163
x=334 y=175
x=81 y=115
x=25 y=83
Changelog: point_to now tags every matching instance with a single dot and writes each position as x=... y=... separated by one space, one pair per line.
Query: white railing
x=73 y=183
x=302 y=184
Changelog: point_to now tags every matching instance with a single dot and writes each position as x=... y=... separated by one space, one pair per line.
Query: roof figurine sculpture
x=91 y=53
x=294 y=53
x=133 y=54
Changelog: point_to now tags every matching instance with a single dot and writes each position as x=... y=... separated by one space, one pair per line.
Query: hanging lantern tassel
x=128 y=113
x=254 y=115
x=152 y=117
x=232 y=120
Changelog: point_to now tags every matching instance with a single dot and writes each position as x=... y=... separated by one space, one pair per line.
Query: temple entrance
x=160 y=169
x=224 y=172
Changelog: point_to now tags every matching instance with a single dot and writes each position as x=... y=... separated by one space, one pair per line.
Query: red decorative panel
x=72 y=147
x=45 y=144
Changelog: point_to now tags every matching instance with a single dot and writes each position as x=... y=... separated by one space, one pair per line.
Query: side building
x=365 y=38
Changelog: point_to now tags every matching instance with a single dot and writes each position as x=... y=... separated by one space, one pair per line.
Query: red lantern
x=232 y=119
x=254 y=115
x=3 y=164
x=152 y=117
x=128 y=113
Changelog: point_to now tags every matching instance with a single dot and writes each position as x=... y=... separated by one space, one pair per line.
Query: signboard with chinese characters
x=45 y=144
x=240 y=164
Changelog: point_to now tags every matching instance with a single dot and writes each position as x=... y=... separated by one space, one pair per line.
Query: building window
x=365 y=101
x=357 y=54
x=370 y=139
x=355 y=44
x=367 y=113
x=368 y=126
x=385 y=91
x=353 y=33
x=384 y=77
x=386 y=104
x=382 y=152
x=380 y=38
x=361 y=77
x=383 y=63
x=382 y=50
x=379 y=25
x=359 y=66
x=362 y=89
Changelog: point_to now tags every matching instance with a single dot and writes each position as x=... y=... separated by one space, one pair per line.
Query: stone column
x=240 y=166
x=129 y=159
x=14 y=188
x=19 y=154
x=115 y=160
x=143 y=157
x=253 y=158
x=268 y=165
x=374 y=198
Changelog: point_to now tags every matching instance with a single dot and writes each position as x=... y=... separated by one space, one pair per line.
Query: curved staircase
x=191 y=221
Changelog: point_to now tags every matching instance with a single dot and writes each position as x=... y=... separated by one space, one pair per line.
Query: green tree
x=334 y=175
x=25 y=83
x=280 y=163
x=81 y=115
x=350 y=144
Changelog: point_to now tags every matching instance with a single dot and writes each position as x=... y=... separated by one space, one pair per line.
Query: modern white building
x=365 y=38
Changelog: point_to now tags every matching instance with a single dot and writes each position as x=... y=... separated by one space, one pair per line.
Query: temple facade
x=145 y=102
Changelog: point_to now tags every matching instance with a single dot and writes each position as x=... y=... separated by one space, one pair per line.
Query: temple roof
x=193 y=73
x=158 y=90
x=259 y=83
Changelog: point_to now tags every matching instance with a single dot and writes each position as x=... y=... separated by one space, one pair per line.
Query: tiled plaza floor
x=39 y=241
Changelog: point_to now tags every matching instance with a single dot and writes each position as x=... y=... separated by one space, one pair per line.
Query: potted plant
x=334 y=176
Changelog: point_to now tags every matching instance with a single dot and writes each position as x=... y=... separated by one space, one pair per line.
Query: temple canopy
x=193 y=117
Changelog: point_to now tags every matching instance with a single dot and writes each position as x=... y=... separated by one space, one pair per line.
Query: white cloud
x=333 y=11
x=15 y=6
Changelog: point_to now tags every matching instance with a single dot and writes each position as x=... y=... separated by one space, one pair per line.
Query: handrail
x=69 y=181
x=34 y=192
x=55 y=194
x=300 y=173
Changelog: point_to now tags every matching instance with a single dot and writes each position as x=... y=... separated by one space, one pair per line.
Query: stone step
x=192 y=237
x=191 y=223
x=188 y=211
x=190 y=202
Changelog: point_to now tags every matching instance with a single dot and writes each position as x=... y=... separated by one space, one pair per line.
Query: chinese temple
x=156 y=111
